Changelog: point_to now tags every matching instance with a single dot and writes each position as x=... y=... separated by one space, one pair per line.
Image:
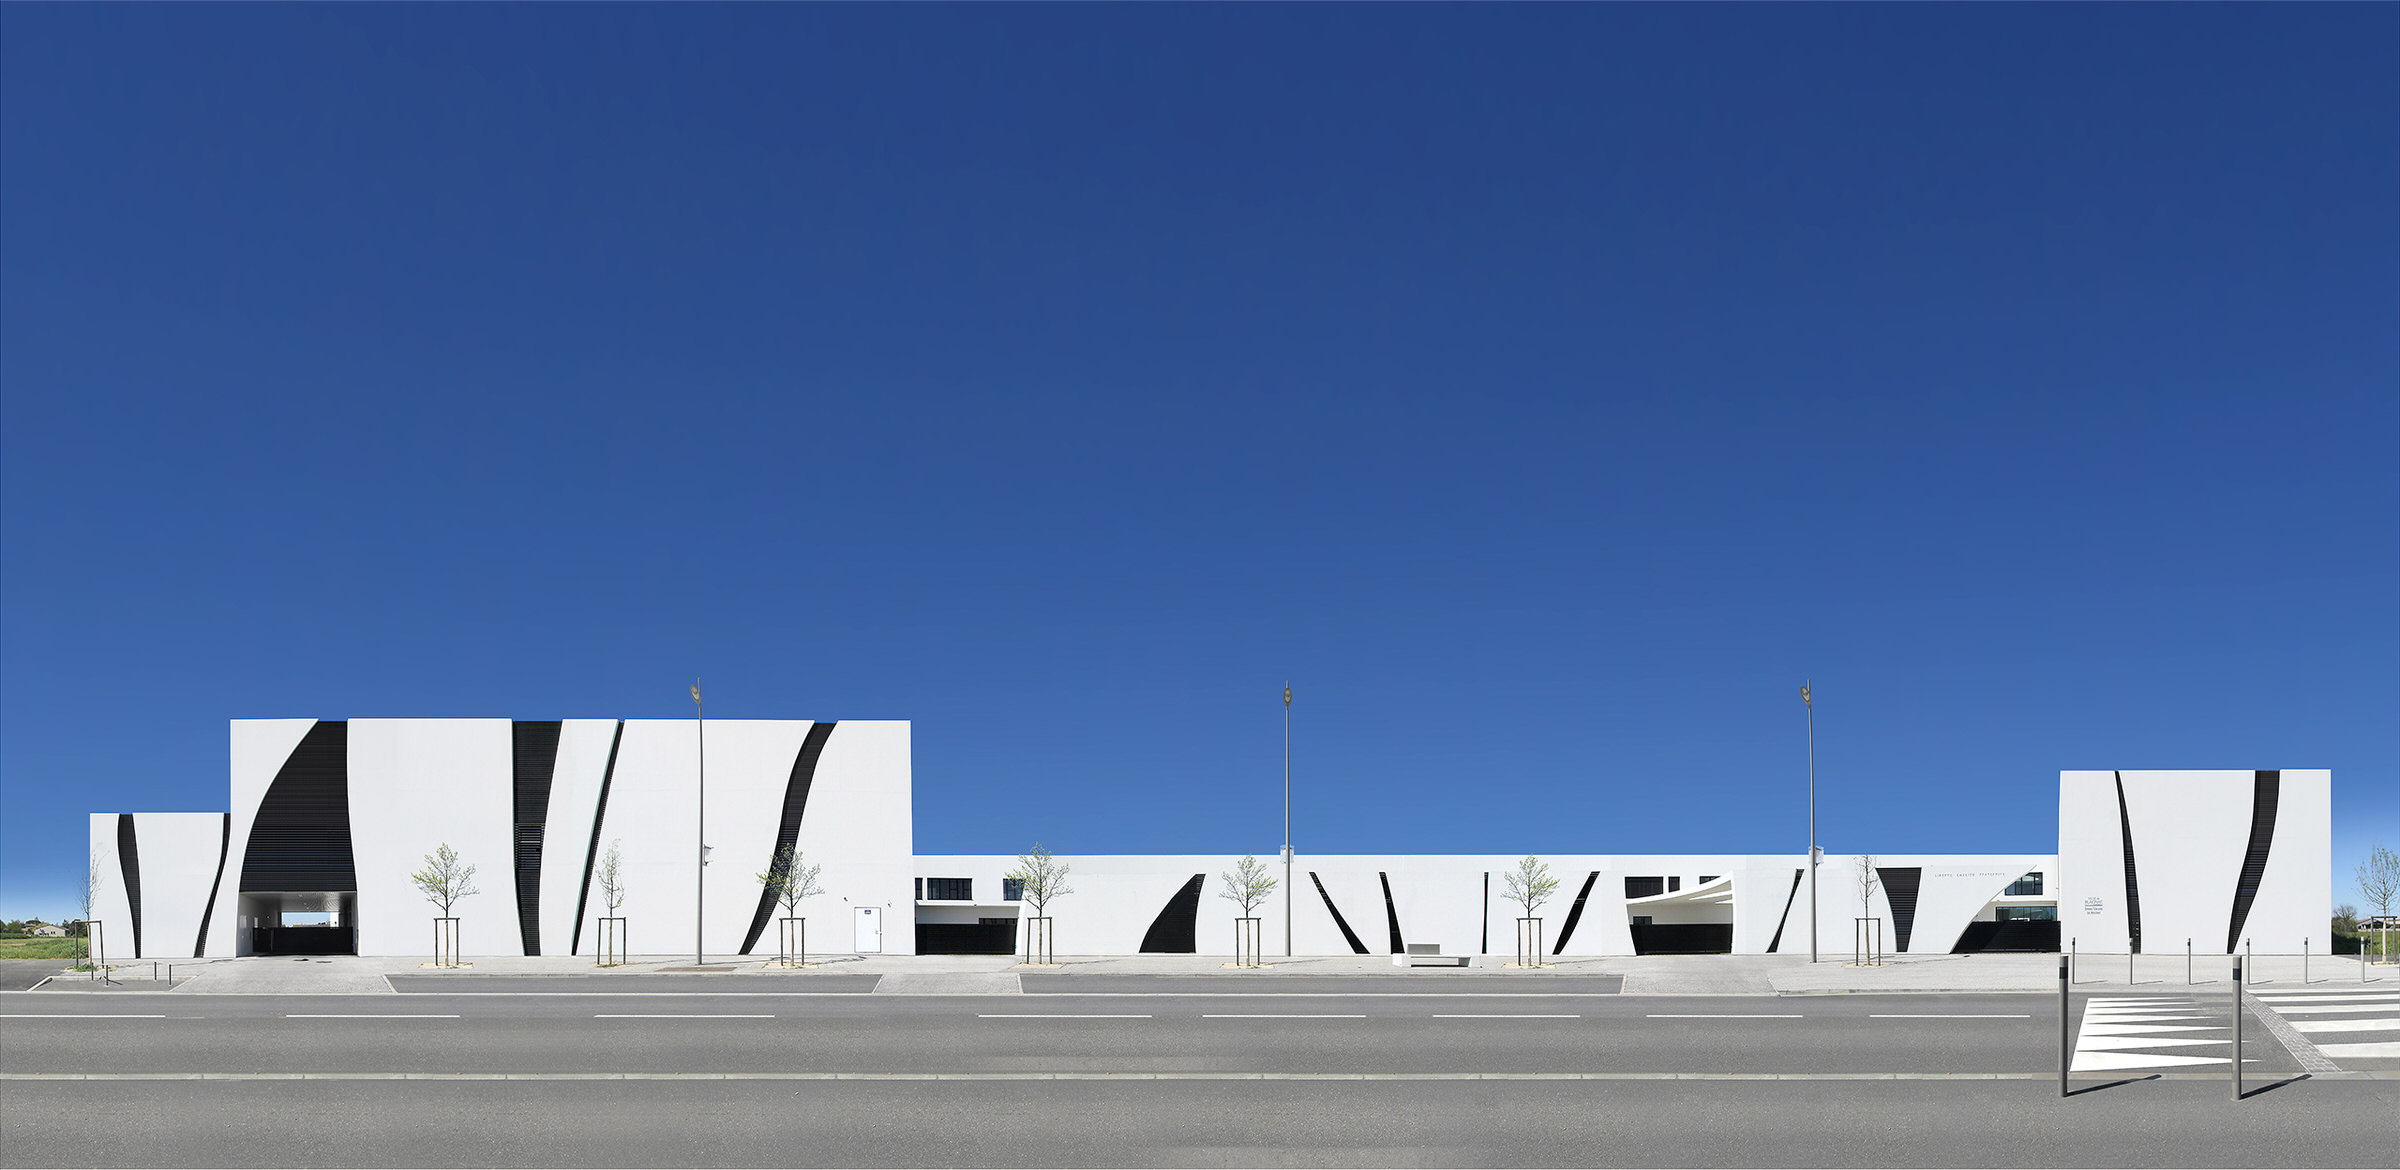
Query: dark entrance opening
x=1682 y=938
x=297 y=923
x=991 y=936
x=302 y=940
x=2008 y=935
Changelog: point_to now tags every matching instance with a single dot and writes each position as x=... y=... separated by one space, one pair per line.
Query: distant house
x=45 y=930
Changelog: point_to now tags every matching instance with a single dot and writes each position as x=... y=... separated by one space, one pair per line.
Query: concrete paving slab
x=951 y=983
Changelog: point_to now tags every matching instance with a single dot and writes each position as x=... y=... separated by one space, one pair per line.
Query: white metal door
x=870 y=930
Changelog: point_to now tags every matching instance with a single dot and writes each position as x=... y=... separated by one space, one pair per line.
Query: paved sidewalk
x=998 y=974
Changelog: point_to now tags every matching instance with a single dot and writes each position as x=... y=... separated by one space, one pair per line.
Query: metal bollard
x=2237 y=1029
x=2128 y=962
x=2187 y=962
x=2074 y=946
x=2064 y=1048
x=2304 y=960
x=2245 y=954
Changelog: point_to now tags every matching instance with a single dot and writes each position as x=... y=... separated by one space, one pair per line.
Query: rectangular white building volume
x=328 y=820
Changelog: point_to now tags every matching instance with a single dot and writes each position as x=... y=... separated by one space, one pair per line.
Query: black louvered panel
x=787 y=829
x=1645 y=887
x=1348 y=935
x=591 y=854
x=1391 y=914
x=300 y=839
x=1176 y=930
x=534 y=745
x=129 y=863
x=2133 y=885
x=224 y=849
x=1900 y=891
x=1792 y=896
x=2265 y=793
x=1575 y=913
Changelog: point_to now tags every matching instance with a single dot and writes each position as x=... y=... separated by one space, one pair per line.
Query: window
x=1641 y=920
x=1674 y=884
x=995 y=922
x=1012 y=890
x=2029 y=886
x=1645 y=887
x=920 y=889
x=2025 y=913
x=949 y=889
x=1709 y=877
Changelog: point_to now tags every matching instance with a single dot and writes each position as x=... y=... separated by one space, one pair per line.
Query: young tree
x=444 y=880
x=1040 y=877
x=1530 y=884
x=1868 y=880
x=2379 y=883
x=1248 y=884
x=788 y=879
x=91 y=894
x=612 y=881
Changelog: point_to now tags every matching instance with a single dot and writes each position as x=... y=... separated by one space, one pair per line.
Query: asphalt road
x=1169 y=1079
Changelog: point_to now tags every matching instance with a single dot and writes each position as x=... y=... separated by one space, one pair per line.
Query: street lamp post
x=1287 y=820
x=700 y=835
x=1809 y=704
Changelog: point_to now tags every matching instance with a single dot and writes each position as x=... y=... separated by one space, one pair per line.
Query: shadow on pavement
x=2110 y=1085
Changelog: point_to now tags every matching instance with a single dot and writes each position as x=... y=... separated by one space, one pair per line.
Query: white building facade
x=329 y=819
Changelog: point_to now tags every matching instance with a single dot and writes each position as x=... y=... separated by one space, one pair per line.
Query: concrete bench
x=1430 y=955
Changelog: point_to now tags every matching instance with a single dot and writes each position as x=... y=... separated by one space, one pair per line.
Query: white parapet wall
x=1375 y=904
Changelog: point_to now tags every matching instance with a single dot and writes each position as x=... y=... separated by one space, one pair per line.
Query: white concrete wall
x=860 y=826
x=2191 y=832
x=177 y=854
x=416 y=784
x=856 y=825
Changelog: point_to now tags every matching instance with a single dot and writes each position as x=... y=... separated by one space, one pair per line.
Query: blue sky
x=1545 y=391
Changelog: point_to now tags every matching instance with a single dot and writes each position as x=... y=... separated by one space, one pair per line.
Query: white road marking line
x=364 y=1016
x=1274 y=1016
x=2383 y=1048
x=1993 y=1016
x=2331 y=1008
x=1483 y=1016
x=1053 y=1016
x=1059 y=1076
x=77 y=1016
x=2314 y=1026
x=1728 y=1016
x=675 y=1016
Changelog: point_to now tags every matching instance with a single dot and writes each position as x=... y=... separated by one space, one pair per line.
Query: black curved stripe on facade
x=300 y=839
x=1788 y=899
x=129 y=864
x=2133 y=888
x=2266 y=791
x=224 y=847
x=1391 y=914
x=1575 y=914
x=1176 y=930
x=1351 y=936
x=591 y=855
x=1900 y=891
x=787 y=830
x=533 y=748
